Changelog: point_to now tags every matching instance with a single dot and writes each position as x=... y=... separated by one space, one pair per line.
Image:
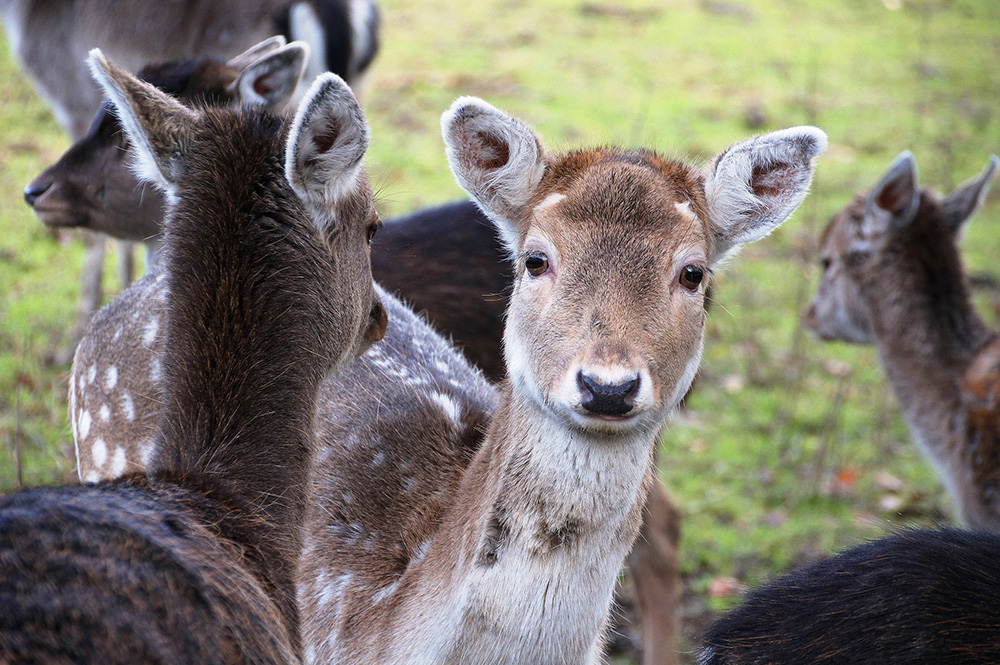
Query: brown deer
x=892 y=277
x=920 y=597
x=117 y=371
x=268 y=289
x=51 y=41
x=414 y=256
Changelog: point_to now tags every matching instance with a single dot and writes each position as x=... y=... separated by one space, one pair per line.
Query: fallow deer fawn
x=915 y=598
x=892 y=277
x=414 y=255
x=51 y=40
x=268 y=289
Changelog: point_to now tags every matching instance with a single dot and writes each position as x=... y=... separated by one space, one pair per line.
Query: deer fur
x=892 y=277
x=920 y=597
x=193 y=560
x=51 y=41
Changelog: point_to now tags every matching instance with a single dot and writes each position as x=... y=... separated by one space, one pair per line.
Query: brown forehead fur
x=630 y=170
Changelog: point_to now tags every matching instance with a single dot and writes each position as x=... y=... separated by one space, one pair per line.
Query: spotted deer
x=268 y=289
x=892 y=277
x=92 y=186
x=919 y=597
x=51 y=41
x=413 y=255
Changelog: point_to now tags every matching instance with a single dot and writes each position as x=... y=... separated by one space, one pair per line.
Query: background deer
x=892 y=277
x=193 y=561
x=414 y=256
x=51 y=41
x=915 y=598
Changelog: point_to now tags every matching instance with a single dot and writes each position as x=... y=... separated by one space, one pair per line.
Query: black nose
x=33 y=191
x=614 y=399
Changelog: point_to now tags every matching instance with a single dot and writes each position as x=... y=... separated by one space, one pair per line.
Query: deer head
x=612 y=252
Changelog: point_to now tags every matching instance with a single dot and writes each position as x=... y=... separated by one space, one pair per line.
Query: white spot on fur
x=449 y=406
x=118 y=462
x=549 y=201
x=409 y=484
x=378 y=459
x=105 y=413
x=420 y=553
x=128 y=408
x=155 y=370
x=331 y=592
x=384 y=593
x=348 y=499
x=146 y=449
x=99 y=451
x=111 y=378
x=92 y=373
x=149 y=331
x=85 y=421
x=92 y=477
x=117 y=335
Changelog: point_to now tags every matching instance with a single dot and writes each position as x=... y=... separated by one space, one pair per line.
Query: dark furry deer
x=916 y=598
x=269 y=289
x=892 y=277
x=51 y=40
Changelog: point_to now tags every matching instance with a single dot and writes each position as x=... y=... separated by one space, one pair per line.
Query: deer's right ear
x=497 y=159
x=270 y=81
x=963 y=203
x=892 y=203
x=256 y=52
x=158 y=126
x=326 y=143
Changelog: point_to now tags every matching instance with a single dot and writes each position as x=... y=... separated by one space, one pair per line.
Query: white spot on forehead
x=105 y=413
x=118 y=462
x=99 y=451
x=111 y=378
x=449 y=406
x=92 y=373
x=549 y=201
x=149 y=331
x=128 y=407
x=84 y=425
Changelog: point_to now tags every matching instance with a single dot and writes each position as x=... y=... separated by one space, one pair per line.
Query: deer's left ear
x=159 y=127
x=963 y=203
x=754 y=186
x=271 y=81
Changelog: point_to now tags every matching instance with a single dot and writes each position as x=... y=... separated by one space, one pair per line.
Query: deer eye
x=691 y=277
x=373 y=229
x=824 y=263
x=536 y=264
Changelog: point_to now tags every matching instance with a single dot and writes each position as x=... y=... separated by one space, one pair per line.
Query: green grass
x=779 y=458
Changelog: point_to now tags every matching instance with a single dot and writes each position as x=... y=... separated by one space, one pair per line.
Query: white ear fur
x=270 y=81
x=496 y=158
x=326 y=143
x=256 y=52
x=755 y=185
x=157 y=125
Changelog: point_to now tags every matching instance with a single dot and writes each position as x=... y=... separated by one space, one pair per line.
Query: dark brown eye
x=373 y=229
x=691 y=277
x=536 y=264
x=824 y=263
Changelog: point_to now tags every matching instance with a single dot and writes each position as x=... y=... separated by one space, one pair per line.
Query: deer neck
x=551 y=514
x=926 y=333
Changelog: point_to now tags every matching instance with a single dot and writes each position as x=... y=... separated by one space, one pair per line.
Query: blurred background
x=789 y=448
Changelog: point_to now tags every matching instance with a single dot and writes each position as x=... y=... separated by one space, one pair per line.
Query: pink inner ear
x=895 y=196
x=771 y=181
x=262 y=86
x=491 y=153
x=323 y=140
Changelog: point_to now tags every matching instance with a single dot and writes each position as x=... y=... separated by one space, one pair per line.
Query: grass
x=791 y=448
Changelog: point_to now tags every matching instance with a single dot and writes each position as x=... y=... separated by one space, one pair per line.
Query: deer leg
x=126 y=263
x=653 y=564
x=89 y=300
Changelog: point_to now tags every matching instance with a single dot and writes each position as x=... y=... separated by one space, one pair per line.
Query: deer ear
x=256 y=52
x=892 y=203
x=270 y=81
x=754 y=186
x=963 y=203
x=159 y=127
x=497 y=159
x=326 y=143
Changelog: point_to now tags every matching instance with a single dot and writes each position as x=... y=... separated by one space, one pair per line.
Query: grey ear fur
x=326 y=144
x=256 y=52
x=496 y=158
x=962 y=204
x=755 y=185
x=271 y=80
x=158 y=126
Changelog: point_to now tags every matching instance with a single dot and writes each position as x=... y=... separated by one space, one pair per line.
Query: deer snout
x=607 y=399
x=34 y=191
x=378 y=321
